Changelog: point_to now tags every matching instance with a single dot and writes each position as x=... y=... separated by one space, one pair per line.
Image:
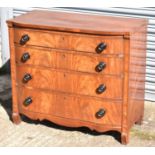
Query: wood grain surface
x=72 y=82
x=76 y=22
x=67 y=106
x=70 y=41
x=70 y=60
x=62 y=63
x=137 y=76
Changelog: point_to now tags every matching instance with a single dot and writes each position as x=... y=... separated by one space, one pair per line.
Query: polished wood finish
x=70 y=60
x=15 y=115
x=79 y=23
x=70 y=41
x=60 y=72
x=70 y=122
x=70 y=106
x=78 y=83
x=137 y=76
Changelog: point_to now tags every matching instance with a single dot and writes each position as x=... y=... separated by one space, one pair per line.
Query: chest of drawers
x=78 y=69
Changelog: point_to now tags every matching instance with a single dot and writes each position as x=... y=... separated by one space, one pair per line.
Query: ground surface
x=30 y=133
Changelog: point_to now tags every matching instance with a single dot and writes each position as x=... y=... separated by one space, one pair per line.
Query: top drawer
x=70 y=41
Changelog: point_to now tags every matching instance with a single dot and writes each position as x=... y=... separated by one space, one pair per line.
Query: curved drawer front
x=71 y=82
x=70 y=41
x=69 y=60
x=72 y=107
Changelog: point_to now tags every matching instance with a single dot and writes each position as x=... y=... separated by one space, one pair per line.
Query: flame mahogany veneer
x=78 y=69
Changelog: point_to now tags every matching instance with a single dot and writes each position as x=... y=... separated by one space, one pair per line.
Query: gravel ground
x=34 y=133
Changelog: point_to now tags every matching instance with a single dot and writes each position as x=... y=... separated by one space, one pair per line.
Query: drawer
x=69 y=60
x=72 y=107
x=71 y=82
x=70 y=41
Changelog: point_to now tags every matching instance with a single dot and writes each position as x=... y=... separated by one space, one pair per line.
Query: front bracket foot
x=16 y=118
x=124 y=138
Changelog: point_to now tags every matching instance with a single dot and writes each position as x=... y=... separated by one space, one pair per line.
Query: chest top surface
x=76 y=22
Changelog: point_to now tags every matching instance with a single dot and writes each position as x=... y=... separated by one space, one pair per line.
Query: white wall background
x=5 y=13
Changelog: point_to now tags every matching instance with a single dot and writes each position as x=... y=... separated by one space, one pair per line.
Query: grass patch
x=143 y=134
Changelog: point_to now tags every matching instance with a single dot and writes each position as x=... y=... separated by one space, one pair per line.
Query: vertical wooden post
x=125 y=119
x=15 y=114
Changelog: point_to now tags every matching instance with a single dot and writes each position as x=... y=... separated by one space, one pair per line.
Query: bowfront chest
x=78 y=70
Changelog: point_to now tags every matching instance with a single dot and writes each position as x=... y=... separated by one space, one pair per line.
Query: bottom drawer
x=69 y=106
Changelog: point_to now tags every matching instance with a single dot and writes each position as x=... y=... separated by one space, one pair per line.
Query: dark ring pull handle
x=24 y=39
x=25 y=57
x=27 y=101
x=101 y=47
x=26 y=78
x=100 y=113
x=100 y=66
x=101 y=89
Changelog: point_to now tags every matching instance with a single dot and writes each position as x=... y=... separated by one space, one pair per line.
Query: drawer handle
x=27 y=101
x=24 y=39
x=101 y=89
x=101 y=47
x=100 y=113
x=100 y=66
x=25 y=57
x=26 y=78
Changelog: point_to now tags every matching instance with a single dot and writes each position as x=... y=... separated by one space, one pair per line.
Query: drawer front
x=69 y=60
x=70 y=41
x=71 y=82
x=72 y=107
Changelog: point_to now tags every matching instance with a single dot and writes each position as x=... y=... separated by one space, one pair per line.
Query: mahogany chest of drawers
x=78 y=69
